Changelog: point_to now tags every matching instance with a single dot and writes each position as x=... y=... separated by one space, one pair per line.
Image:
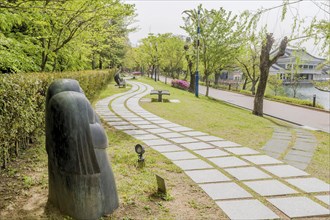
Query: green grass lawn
x=231 y=123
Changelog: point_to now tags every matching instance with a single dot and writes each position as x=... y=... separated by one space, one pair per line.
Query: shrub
x=22 y=105
x=180 y=84
x=293 y=101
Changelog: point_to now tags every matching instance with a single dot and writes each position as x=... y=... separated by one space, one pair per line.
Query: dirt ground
x=24 y=194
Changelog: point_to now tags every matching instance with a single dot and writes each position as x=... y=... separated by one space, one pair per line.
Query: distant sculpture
x=119 y=81
x=81 y=182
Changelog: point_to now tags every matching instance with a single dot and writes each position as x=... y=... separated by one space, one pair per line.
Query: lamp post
x=197 y=73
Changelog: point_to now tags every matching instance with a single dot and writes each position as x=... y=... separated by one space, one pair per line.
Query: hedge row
x=22 y=105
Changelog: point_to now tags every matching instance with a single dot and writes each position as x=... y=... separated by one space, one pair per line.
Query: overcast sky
x=166 y=16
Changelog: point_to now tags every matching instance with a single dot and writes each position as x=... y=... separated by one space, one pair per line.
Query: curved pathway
x=243 y=182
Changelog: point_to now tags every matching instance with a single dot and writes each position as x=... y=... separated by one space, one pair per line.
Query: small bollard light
x=139 y=149
x=314 y=100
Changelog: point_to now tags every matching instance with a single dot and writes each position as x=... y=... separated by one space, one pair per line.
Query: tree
x=219 y=38
x=276 y=83
x=265 y=63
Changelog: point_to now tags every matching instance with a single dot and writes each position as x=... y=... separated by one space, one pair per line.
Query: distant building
x=306 y=65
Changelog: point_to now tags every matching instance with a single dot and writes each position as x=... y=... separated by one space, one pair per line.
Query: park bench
x=160 y=94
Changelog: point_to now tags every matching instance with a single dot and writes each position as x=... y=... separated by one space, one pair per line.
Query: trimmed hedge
x=22 y=105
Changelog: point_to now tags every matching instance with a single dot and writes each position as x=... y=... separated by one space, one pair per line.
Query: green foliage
x=62 y=35
x=293 y=101
x=22 y=104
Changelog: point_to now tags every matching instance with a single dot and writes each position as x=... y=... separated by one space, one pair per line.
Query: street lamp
x=197 y=73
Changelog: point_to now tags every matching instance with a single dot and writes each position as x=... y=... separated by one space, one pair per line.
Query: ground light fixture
x=139 y=149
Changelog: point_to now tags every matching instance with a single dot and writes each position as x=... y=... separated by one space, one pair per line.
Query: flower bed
x=180 y=84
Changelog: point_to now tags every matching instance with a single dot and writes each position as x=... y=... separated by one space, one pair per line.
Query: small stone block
x=242 y=150
x=228 y=162
x=225 y=144
x=169 y=125
x=207 y=176
x=167 y=148
x=246 y=209
x=270 y=188
x=197 y=146
x=310 y=184
x=197 y=164
x=183 y=140
x=211 y=153
x=299 y=207
x=285 y=171
x=324 y=198
x=140 y=123
x=262 y=159
x=156 y=142
x=247 y=173
x=119 y=123
x=209 y=138
x=225 y=191
x=179 y=155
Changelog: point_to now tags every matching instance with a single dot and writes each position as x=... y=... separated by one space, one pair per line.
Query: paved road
x=308 y=118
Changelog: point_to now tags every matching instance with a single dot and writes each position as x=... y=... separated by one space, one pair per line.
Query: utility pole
x=197 y=73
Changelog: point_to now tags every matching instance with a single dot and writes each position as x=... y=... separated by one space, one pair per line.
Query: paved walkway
x=293 y=145
x=243 y=182
x=307 y=118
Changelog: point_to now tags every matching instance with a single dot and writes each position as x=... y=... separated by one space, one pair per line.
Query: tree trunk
x=192 y=78
x=253 y=87
x=100 y=63
x=245 y=82
x=207 y=85
x=217 y=78
x=265 y=64
x=44 y=59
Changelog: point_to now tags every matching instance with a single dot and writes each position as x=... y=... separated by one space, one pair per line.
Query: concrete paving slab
x=310 y=184
x=219 y=191
x=135 y=132
x=242 y=150
x=299 y=207
x=171 y=135
x=197 y=146
x=211 y=153
x=148 y=126
x=194 y=133
x=158 y=130
x=209 y=138
x=196 y=164
x=156 y=142
x=145 y=137
x=246 y=209
x=119 y=123
x=183 y=140
x=324 y=198
x=277 y=149
x=247 y=173
x=169 y=125
x=270 y=188
x=228 y=162
x=285 y=171
x=125 y=127
x=167 y=148
x=262 y=160
x=179 y=155
x=297 y=158
x=207 y=176
x=140 y=122
x=179 y=129
x=299 y=152
x=301 y=166
x=222 y=144
x=272 y=154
